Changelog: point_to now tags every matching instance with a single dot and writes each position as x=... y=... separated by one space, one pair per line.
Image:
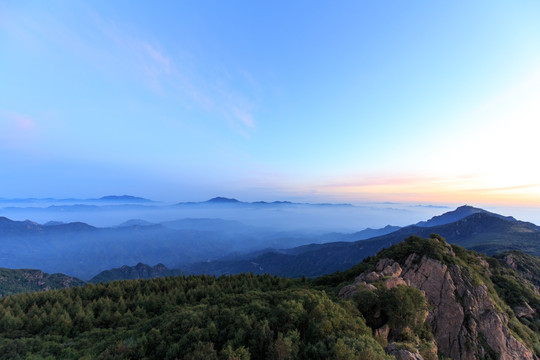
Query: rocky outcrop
x=387 y=271
x=403 y=354
x=524 y=311
x=13 y=281
x=464 y=320
x=463 y=317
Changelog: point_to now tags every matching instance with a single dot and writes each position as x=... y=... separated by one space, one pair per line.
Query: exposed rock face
x=393 y=282
x=463 y=318
x=383 y=331
x=462 y=313
x=402 y=354
x=347 y=292
x=373 y=276
x=510 y=261
x=524 y=311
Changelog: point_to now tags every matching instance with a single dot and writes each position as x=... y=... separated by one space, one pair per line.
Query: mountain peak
x=128 y=198
x=458 y=214
x=222 y=200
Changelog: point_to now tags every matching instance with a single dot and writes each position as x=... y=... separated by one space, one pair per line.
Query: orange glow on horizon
x=466 y=189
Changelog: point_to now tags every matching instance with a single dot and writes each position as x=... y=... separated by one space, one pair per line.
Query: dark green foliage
x=403 y=308
x=139 y=271
x=197 y=317
x=338 y=279
x=526 y=265
x=514 y=289
x=434 y=247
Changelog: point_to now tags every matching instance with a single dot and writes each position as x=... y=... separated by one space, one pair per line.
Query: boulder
x=373 y=276
x=403 y=354
x=347 y=291
x=383 y=263
x=524 y=311
x=393 y=270
x=393 y=282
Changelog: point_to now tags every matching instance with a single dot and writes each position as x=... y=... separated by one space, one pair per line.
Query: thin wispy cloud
x=163 y=62
x=180 y=78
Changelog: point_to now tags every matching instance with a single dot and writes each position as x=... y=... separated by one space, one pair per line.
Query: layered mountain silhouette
x=217 y=246
x=470 y=227
x=83 y=250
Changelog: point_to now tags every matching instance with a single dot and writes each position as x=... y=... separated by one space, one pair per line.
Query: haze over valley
x=226 y=236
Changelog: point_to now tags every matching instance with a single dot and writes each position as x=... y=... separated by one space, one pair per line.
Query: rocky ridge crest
x=466 y=323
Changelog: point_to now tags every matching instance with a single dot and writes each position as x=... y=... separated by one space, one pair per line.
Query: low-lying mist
x=283 y=216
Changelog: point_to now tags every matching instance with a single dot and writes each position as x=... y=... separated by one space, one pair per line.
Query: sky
x=349 y=101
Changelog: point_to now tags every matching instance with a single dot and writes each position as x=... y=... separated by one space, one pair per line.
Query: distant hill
x=482 y=231
x=108 y=198
x=24 y=228
x=458 y=214
x=139 y=271
x=53 y=223
x=124 y=199
x=220 y=200
x=26 y=280
x=135 y=222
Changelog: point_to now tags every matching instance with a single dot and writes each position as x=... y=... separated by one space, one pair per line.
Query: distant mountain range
x=83 y=250
x=470 y=227
x=234 y=202
x=127 y=199
x=211 y=246
x=108 y=198
x=112 y=210
x=218 y=246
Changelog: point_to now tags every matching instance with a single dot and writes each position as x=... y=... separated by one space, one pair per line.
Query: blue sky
x=319 y=101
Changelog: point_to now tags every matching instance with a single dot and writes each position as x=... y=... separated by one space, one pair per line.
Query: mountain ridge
x=481 y=231
x=139 y=271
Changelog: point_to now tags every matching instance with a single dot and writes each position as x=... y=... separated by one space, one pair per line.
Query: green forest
x=196 y=317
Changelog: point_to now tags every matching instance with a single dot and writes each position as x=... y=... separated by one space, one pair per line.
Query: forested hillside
x=199 y=317
x=27 y=280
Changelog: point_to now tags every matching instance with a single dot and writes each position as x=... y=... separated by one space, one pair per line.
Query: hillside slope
x=26 y=280
x=482 y=231
x=139 y=271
